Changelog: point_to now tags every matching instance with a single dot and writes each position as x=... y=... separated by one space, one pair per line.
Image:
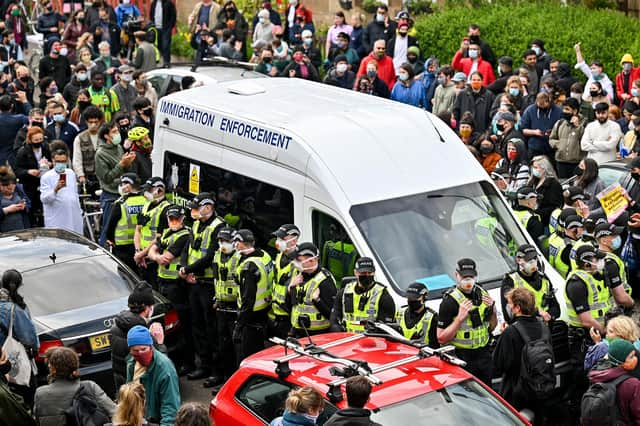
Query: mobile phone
x=63 y=177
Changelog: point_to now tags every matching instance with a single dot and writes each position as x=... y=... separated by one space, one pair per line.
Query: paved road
x=192 y=391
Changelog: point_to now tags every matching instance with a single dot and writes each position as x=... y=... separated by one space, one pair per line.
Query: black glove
x=237 y=334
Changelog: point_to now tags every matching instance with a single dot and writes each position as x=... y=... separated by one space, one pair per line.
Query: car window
x=611 y=175
x=266 y=396
x=339 y=254
x=157 y=81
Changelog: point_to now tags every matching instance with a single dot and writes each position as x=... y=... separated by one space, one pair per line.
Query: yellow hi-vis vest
x=306 y=306
x=351 y=302
x=130 y=206
x=539 y=295
x=598 y=297
x=556 y=244
x=574 y=251
x=225 y=283
x=421 y=329
x=263 y=290
x=202 y=240
x=152 y=215
x=623 y=273
x=553 y=221
x=468 y=336
x=170 y=271
x=524 y=216
x=282 y=276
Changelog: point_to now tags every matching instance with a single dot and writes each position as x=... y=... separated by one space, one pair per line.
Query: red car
x=412 y=386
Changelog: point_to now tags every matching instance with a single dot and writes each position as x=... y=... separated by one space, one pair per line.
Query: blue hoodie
x=412 y=95
x=292 y=419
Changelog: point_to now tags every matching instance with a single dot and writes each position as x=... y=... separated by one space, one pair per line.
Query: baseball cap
x=573 y=221
x=307 y=249
x=130 y=178
x=365 y=264
x=527 y=252
x=606 y=229
x=125 y=68
x=526 y=193
x=586 y=252
x=467 y=268
x=175 y=211
x=226 y=233
x=633 y=164
x=574 y=193
x=202 y=199
x=287 y=229
x=459 y=76
x=505 y=115
x=416 y=290
x=142 y=295
x=154 y=182
x=244 y=235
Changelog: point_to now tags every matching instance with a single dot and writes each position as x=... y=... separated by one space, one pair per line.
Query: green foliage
x=419 y=7
x=370 y=6
x=509 y=28
x=180 y=43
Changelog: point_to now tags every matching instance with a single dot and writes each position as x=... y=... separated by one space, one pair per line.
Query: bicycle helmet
x=137 y=133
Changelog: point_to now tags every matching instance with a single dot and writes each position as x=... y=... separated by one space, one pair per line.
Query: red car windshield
x=466 y=403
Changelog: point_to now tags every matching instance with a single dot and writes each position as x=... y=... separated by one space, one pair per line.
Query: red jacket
x=464 y=64
x=386 y=70
x=635 y=74
x=628 y=392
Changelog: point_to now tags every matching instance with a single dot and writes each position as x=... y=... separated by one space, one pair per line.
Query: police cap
x=175 y=211
x=587 y=252
x=307 y=249
x=202 y=199
x=527 y=252
x=130 y=178
x=244 y=236
x=154 y=182
x=606 y=229
x=416 y=290
x=574 y=193
x=286 y=230
x=365 y=264
x=226 y=233
x=573 y=221
x=467 y=268
x=527 y=192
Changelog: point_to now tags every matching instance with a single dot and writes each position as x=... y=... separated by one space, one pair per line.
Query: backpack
x=599 y=405
x=84 y=410
x=537 y=378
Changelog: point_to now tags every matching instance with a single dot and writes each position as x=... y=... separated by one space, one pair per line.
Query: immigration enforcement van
x=359 y=175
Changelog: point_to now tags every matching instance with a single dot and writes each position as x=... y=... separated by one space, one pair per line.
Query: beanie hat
x=619 y=350
x=414 y=49
x=626 y=58
x=142 y=295
x=139 y=335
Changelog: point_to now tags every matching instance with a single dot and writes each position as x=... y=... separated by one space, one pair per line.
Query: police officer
x=151 y=224
x=361 y=300
x=166 y=252
x=225 y=263
x=121 y=227
x=311 y=293
x=574 y=197
x=198 y=271
x=609 y=241
x=280 y=314
x=568 y=233
x=417 y=321
x=466 y=318
x=530 y=276
x=339 y=254
x=590 y=223
x=254 y=274
x=525 y=212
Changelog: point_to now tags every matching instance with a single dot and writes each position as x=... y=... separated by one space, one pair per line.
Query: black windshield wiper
x=445 y=394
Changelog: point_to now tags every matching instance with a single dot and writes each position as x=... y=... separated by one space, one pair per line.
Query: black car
x=74 y=289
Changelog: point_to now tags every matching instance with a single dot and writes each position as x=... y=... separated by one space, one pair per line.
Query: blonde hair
x=514 y=79
x=130 y=408
x=303 y=400
x=624 y=328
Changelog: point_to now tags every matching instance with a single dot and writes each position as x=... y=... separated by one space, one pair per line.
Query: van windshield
x=420 y=237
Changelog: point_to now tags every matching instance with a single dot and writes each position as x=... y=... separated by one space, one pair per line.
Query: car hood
x=76 y=317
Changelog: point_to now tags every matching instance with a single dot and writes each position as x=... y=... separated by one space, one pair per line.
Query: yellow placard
x=613 y=201
x=194 y=179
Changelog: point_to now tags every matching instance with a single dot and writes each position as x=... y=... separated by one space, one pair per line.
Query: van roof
x=357 y=138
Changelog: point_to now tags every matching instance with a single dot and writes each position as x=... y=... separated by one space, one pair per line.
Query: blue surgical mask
x=81 y=76
x=514 y=91
x=60 y=167
x=536 y=49
x=116 y=139
x=58 y=118
x=536 y=173
x=635 y=92
x=403 y=77
x=473 y=53
x=616 y=243
x=307 y=41
x=53 y=90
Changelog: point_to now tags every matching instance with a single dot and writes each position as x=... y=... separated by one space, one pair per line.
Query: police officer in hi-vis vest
x=152 y=222
x=121 y=226
x=609 y=241
x=525 y=212
x=417 y=321
x=254 y=275
x=311 y=293
x=530 y=276
x=361 y=300
x=568 y=232
x=466 y=319
x=280 y=314
x=166 y=251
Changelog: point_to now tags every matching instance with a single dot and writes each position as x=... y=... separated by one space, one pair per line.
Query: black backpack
x=537 y=378
x=599 y=406
x=84 y=410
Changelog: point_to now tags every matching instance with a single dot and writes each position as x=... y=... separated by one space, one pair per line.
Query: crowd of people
x=529 y=125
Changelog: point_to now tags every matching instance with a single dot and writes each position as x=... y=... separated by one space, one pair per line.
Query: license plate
x=102 y=341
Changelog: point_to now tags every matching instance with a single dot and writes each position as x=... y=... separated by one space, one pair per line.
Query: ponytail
x=304 y=400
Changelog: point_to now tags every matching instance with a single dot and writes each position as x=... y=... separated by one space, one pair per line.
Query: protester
x=302 y=407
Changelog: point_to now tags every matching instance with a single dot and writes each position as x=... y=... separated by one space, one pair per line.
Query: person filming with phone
x=59 y=192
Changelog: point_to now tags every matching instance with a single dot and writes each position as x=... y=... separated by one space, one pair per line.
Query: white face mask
x=240 y=251
x=121 y=190
x=529 y=267
x=599 y=264
x=342 y=67
x=466 y=284
x=300 y=266
x=281 y=245
x=148 y=195
x=226 y=247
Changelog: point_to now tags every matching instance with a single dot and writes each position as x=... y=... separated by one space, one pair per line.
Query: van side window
x=242 y=201
x=337 y=252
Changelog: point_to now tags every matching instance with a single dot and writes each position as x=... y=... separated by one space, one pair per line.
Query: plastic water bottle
x=174 y=176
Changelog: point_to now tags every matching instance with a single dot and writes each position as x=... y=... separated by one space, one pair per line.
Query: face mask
x=465 y=133
x=466 y=284
x=281 y=245
x=578 y=171
x=15 y=12
x=53 y=90
x=226 y=247
x=81 y=76
x=341 y=68
x=403 y=34
x=379 y=17
x=529 y=267
x=537 y=50
x=567 y=115
x=536 y=173
x=148 y=195
x=116 y=139
x=144 y=358
x=262 y=20
x=121 y=190
x=24 y=79
x=512 y=155
x=127 y=77
x=37 y=145
x=298 y=57
x=365 y=280
x=500 y=127
x=473 y=53
x=60 y=167
x=175 y=226
x=616 y=243
x=594 y=93
x=514 y=92
x=599 y=264
x=485 y=149
x=626 y=67
x=442 y=81
x=38 y=124
x=635 y=176
x=371 y=73
x=476 y=85
x=300 y=266
x=64 y=51
x=307 y=41
x=58 y=118
x=403 y=77
x=635 y=92
x=415 y=305
x=595 y=74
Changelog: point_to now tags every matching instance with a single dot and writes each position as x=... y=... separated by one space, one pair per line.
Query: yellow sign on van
x=613 y=201
x=194 y=179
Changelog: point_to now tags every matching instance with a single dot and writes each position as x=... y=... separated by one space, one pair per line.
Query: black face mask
x=365 y=280
x=37 y=124
x=415 y=305
x=5 y=368
x=594 y=93
x=36 y=145
x=24 y=79
x=500 y=127
x=578 y=171
x=267 y=59
x=635 y=176
x=485 y=149
x=567 y=115
x=83 y=104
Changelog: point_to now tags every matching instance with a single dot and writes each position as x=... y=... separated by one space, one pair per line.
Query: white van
x=387 y=179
